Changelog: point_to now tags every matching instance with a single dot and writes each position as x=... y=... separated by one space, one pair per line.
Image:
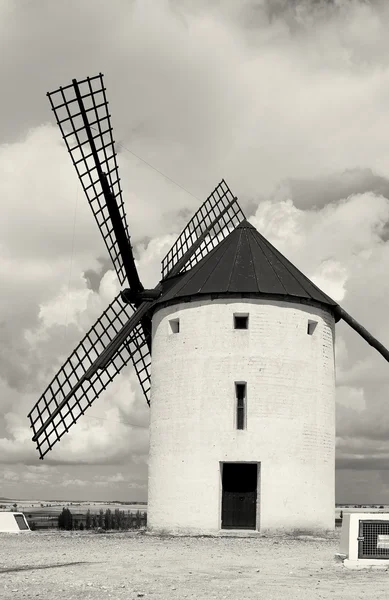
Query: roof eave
x=330 y=308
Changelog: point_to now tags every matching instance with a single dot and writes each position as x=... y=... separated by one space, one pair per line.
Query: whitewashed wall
x=290 y=413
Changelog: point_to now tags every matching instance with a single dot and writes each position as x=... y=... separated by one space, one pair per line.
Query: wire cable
x=116 y=421
x=154 y=168
x=158 y=171
x=71 y=263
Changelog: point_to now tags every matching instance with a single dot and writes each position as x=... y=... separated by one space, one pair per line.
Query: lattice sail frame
x=219 y=214
x=84 y=376
x=66 y=107
x=76 y=367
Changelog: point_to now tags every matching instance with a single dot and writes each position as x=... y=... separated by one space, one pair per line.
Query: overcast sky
x=288 y=101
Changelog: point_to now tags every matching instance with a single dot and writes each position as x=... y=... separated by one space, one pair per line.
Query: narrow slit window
x=174 y=325
x=240 y=392
x=241 y=321
x=311 y=327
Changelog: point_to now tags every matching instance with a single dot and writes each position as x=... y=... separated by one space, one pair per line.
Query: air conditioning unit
x=364 y=540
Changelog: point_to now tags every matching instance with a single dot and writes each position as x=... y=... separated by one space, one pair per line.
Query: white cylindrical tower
x=242 y=431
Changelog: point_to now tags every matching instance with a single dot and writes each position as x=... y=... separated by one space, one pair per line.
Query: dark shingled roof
x=244 y=263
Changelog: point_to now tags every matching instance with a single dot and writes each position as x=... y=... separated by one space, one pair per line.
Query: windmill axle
x=130 y=297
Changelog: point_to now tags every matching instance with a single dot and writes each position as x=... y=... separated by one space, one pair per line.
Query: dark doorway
x=239 y=497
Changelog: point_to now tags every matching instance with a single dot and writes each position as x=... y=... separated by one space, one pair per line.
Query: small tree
x=94 y=522
x=119 y=519
x=65 y=519
x=108 y=519
x=125 y=520
x=61 y=520
x=137 y=519
x=68 y=520
x=88 y=520
x=101 y=518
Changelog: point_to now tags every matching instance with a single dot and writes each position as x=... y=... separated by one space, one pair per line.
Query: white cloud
x=73 y=482
x=351 y=398
x=114 y=480
x=30 y=475
x=103 y=481
x=9 y=476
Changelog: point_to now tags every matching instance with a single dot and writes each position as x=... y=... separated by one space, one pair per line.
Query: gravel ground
x=133 y=565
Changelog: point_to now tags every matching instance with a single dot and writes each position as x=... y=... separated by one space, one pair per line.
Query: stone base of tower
x=239 y=533
x=297 y=528
x=184 y=500
x=293 y=528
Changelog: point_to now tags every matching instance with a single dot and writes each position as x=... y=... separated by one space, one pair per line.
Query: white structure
x=364 y=540
x=262 y=395
x=13 y=522
x=289 y=426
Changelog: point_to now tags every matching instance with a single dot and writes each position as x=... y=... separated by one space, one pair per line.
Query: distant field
x=44 y=515
x=83 y=508
x=35 y=508
x=54 y=508
x=347 y=508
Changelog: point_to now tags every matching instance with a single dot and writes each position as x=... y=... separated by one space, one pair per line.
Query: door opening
x=239 y=495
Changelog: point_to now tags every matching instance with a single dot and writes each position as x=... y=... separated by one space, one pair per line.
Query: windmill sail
x=81 y=111
x=123 y=333
x=213 y=222
x=83 y=378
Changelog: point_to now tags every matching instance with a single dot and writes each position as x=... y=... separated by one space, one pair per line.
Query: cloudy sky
x=288 y=100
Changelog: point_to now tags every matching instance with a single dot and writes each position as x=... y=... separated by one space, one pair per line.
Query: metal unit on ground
x=364 y=540
x=13 y=522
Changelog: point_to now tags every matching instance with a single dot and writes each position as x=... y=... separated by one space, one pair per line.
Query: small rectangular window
x=311 y=327
x=241 y=321
x=240 y=392
x=174 y=325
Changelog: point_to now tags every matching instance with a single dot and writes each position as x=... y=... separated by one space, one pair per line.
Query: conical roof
x=244 y=263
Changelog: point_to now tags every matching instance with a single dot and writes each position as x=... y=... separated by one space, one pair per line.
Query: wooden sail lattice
x=68 y=104
x=213 y=222
x=73 y=389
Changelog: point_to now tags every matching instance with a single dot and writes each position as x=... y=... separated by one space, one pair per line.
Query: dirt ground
x=134 y=565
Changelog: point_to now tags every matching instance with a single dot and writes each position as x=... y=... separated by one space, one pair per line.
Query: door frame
x=258 y=501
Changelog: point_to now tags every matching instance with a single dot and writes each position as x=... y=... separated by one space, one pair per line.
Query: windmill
x=226 y=291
